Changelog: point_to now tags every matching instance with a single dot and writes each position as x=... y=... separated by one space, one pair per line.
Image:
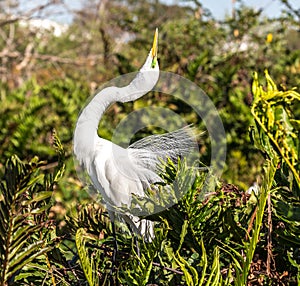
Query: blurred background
x=54 y=54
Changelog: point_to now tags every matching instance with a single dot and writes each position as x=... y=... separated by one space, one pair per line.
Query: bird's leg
x=137 y=246
x=115 y=245
x=114 y=257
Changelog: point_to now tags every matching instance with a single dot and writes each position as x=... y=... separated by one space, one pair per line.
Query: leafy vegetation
x=51 y=233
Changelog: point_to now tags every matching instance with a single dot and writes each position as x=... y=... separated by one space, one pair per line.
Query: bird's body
x=112 y=175
x=118 y=172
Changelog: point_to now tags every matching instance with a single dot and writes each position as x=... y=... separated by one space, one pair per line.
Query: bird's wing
x=117 y=171
x=117 y=178
x=149 y=150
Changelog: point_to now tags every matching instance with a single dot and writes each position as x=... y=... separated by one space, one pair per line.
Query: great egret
x=118 y=172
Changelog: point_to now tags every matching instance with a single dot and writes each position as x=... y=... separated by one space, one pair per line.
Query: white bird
x=118 y=172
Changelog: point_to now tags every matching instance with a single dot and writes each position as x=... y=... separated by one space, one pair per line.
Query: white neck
x=85 y=136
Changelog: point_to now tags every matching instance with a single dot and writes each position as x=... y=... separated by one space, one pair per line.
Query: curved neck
x=85 y=135
x=94 y=110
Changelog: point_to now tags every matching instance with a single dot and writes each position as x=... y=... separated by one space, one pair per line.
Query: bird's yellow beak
x=154 y=49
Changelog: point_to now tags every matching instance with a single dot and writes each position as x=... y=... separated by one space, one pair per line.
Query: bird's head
x=145 y=79
x=151 y=63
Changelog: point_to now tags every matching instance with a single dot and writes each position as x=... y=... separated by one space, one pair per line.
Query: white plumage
x=118 y=172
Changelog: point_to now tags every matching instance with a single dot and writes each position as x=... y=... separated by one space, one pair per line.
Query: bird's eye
x=153 y=64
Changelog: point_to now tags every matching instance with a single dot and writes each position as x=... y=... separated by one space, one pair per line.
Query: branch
x=5 y=53
x=27 y=57
x=9 y=21
x=269 y=237
x=57 y=59
x=29 y=14
x=15 y=54
x=196 y=2
x=289 y=6
x=167 y=268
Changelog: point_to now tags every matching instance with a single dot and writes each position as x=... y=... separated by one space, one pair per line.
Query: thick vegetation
x=52 y=233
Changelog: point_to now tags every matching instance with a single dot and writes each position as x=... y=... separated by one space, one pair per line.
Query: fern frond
x=61 y=156
x=24 y=203
x=88 y=264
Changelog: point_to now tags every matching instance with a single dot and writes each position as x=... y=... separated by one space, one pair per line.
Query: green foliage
x=33 y=111
x=216 y=234
x=254 y=239
x=24 y=205
x=88 y=265
x=209 y=237
x=137 y=269
x=277 y=126
x=278 y=138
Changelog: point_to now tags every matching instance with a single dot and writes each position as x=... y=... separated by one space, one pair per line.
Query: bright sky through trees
x=219 y=9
